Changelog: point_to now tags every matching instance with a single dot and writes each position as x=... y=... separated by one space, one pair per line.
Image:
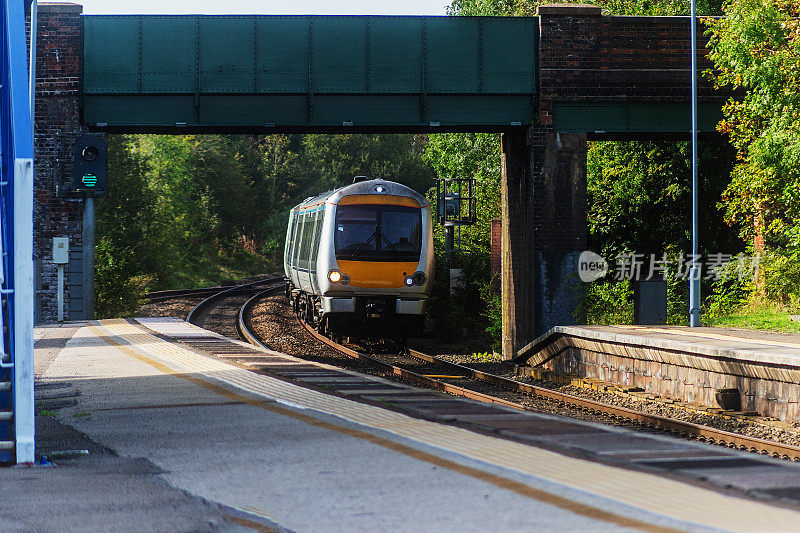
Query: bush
x=119 y=287
x=607 y=302
x=780 y=272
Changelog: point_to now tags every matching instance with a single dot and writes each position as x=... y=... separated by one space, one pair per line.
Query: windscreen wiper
x=363 y=245
x=387 y=241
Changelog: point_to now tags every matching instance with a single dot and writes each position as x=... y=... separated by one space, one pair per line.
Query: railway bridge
x=547 y=83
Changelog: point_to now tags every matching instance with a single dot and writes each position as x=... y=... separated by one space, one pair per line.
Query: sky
x=266 y=7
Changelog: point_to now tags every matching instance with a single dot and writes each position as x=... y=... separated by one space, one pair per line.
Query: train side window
x=287 y=247
x=305 y=239
x=317 y=233
x=298 y=239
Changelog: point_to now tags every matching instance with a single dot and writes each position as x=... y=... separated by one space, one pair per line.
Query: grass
x=758 y=316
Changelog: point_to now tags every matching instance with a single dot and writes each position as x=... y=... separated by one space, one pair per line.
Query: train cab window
x=378 y=233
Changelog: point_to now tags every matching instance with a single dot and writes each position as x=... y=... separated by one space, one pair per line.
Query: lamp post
x=694 y=274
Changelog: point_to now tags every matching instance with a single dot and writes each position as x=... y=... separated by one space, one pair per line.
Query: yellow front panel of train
x=377 y=274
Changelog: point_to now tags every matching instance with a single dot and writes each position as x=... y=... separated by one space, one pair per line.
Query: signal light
x=90 y=162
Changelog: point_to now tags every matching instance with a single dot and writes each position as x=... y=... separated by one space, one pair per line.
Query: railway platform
x=241 y=437
x=690 y=364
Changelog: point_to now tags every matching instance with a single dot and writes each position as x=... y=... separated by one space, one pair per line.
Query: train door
x=318 y=219
x=298 y=232
x=306 y=237
x=287 y=247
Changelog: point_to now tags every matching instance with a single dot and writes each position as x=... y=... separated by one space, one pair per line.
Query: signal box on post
x=90 y=166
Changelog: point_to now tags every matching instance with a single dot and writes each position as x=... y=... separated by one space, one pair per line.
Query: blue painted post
x=16 y=228
x=694 y=274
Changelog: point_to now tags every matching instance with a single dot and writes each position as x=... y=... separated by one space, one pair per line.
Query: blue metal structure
x=16 y=236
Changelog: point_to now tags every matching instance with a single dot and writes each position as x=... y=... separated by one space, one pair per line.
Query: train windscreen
x=378 y=233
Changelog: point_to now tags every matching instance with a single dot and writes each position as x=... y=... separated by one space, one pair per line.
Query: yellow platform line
x=645 y=491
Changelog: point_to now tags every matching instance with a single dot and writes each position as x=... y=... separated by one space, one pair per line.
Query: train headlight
x=337 y=277
x=418 y=278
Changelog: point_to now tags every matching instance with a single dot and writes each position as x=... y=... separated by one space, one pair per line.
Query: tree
x=334 y=160
x=756 y=54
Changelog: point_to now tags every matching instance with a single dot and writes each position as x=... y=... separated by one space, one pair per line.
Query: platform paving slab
x=311 y=461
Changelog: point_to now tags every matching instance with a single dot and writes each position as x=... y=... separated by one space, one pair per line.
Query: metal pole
x=694 y=277
x=21 y=252
x=60 y=293
x=88 y=258
x=448 y=252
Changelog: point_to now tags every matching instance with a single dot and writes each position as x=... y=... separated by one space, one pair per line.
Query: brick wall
x=57 y=123
x=586 y=57
x=495 y=260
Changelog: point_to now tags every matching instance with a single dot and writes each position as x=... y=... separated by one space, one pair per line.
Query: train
x=359 y=260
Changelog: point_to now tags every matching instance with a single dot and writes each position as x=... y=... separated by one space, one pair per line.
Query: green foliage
x=610 y=7
x=333 y=160
x=118 y=287
x=608 y=302
x=494 y=317
x=781 y=278
x=756 y=52
x=756 y=55
x=469 y=155
x=758 y=315
x=639 y=194
x=729 y=293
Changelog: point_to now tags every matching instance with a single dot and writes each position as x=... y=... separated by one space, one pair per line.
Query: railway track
x=219 y=311
x=460 y=380
x=234 y=305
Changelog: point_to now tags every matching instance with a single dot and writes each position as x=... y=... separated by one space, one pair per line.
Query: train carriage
x=359 y=260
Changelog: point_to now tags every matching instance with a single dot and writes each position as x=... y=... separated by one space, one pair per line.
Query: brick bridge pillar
x=543 y=197
x=58 y=56
x=543 y=193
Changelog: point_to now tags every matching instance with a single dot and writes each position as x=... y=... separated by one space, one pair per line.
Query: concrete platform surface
x=249 y=450
x=746 y=346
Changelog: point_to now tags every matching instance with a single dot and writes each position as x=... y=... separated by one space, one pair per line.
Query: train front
x=380 y=267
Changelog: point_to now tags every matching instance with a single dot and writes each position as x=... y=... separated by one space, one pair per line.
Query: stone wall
x=57 y=123
x=683 y=374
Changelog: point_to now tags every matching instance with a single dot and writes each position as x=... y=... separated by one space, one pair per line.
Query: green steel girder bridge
x=334 y=73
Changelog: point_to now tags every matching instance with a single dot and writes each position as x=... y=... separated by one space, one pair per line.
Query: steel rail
x=157 y=296
x=211 y=300
x=702 y=433
x=242 y=326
